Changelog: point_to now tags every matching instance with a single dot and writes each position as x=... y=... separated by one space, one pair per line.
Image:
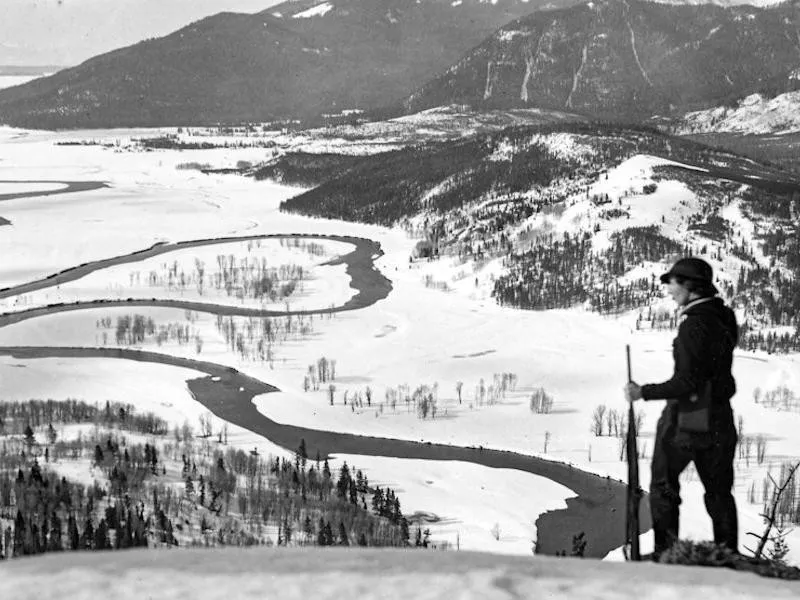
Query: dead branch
x=771 y=515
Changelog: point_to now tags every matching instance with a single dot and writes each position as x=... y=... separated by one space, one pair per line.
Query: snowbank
x=298 y=574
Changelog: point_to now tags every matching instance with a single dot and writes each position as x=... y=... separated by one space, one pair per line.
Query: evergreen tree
x=19 y=536
x=405 y=534
x=344 y=540
x=72 y=533
x=55 y=543
x=321 y=540
x=51 y=434
x=87 y=538
x=343 y=485
x=377 y=501
x=328 y=534
x=98 y=455
x=36 y=473
x=30 y=439
x=101 y=541
x=302 y=453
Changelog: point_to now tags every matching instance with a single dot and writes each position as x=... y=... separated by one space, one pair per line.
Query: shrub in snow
x=687 y=552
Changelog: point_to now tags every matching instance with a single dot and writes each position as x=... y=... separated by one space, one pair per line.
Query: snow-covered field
x=228 y=274
x=7 y=81
x=416 y=336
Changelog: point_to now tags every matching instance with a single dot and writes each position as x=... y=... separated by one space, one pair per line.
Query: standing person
x=697 y=422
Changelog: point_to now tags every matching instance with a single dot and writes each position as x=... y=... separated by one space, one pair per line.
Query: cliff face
x=625 y=59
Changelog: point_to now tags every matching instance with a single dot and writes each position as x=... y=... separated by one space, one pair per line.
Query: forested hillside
x=291 y=60
x=588 y=214
x=75 y=476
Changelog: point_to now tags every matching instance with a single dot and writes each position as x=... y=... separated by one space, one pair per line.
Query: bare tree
x=770 y=514
x=761 y=448
x=597 y=419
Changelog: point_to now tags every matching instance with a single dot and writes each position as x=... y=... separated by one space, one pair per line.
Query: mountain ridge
x=587 y=214
x=255 y=68
x=625 y=59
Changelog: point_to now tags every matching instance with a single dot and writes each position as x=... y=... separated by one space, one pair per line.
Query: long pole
x=634 y=493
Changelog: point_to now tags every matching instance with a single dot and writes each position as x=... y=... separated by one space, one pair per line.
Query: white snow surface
x=759 y=3
x=133 y=280
x=754 y=114
x=7 y=81
x=562 y=145
x=16 y=188
x=315 y=11
x=369 y=574
x=432 y=487
x=416 y=336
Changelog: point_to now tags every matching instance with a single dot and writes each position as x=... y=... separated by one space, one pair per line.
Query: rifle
x=634 y=492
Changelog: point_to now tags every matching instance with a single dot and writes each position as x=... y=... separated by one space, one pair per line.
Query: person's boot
x=651 y=557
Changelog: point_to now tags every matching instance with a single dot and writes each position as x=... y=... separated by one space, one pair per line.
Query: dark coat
x=703 y=351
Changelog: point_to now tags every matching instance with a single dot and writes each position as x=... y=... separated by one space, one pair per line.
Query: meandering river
x=597 y=510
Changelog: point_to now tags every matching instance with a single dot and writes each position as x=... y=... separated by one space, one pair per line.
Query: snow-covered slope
x=759 y=3
x=367 y=575
x=754 y=114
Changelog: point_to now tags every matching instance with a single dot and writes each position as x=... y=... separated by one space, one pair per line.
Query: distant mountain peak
x=624 y=59
x=301 y=58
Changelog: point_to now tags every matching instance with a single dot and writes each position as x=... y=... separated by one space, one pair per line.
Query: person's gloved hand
x=633 y=391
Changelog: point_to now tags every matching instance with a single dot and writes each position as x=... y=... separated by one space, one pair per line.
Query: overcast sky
x=66 y=32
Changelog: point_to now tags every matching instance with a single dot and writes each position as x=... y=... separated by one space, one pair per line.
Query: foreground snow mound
x=364 y=574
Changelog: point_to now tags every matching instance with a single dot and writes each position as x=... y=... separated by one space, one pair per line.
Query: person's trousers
x=712 y=454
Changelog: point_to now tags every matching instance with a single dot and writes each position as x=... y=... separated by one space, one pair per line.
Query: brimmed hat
x=692 y=268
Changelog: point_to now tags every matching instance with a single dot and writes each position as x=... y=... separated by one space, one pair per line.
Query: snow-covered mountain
x=625 y=59
x=297 y=59
x=306 y=58
x=754 y=114
x=759 y=3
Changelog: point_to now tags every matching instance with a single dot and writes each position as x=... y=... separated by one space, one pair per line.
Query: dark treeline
x=306 y=501
x=15 y=417
x=173 y=142
x=563 y=272
x=53 y=514
x=388 y=187
x=223 y=497
x=771 y=294
x=306 y=169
